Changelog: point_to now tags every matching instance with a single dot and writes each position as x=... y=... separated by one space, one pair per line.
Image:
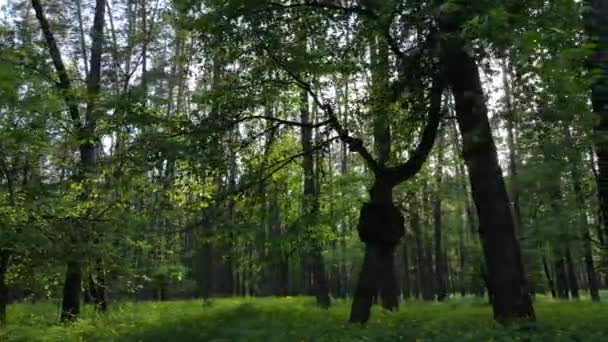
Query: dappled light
x=303 y=170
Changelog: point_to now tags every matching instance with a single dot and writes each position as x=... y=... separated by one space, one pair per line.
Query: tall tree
x=440 y=267
x=505 y=271
x=310 y=205
x=85 y=131
x=597 y=29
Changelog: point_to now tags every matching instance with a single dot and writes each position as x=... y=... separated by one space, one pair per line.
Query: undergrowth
x=298 y=319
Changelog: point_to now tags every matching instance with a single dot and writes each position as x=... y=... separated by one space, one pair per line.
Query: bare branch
x=283 y=122
x=64 y=85
x=355 y=144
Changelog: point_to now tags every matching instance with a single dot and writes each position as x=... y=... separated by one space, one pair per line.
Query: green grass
x=297 y=319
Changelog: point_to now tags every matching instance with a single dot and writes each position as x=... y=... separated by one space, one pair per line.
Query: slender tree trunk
x=506 y=275
x=550 y=281
x=83 y=48
x=462 y=257
x=561 y=278
x=461 y=175
x=407 y=280
x=310 y=206
x=572 y=277
x=86 y=131
x=511 y=143
x=144 y=50
x=584 y=225
x=511 y=127
x=414 y=221
x=440 y=276
x=97 y=281
x=4 y=259
x=592 y=278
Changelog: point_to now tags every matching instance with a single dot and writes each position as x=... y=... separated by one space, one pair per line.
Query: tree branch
x=408 y=169
x=355 y=144
x=64 y=85
x=359 y=10
x=282 y=122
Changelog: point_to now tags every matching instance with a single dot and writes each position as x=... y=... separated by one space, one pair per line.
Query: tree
x=506 y=275
x=84 y=130
x=595 y=20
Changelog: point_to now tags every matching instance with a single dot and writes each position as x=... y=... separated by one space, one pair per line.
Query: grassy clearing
x=297 y=319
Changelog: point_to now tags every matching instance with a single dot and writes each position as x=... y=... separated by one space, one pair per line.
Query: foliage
x=241 y=319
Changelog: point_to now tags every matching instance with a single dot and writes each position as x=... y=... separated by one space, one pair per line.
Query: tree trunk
x=310 y=207
x=592 y=278
x=423 y=267
x=584 y=224
x=4 y=259
x=85 y=131
x=70 y=306
x=511 y=127
x=572 y=278
x=561 y=278
x=506 y=275
x=462 y=257
x=440 y=276
x=407 y=282
x=550 y=281
x=596 y=22
x=380 y=228
x=97 y=285
x=414 y=221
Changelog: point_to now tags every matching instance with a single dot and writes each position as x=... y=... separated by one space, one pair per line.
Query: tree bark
x=73 y=278
x=97 y=284
x=561 y=278
x=414 y=221
x=596 y=21
x=380 y=228
x=506 y=275
x=550 y=281
x=572 y=278
x=4 y=260
x=310 y=206
x=592 y=277
x=70 y=305
x=407 y=279
x=440 y=274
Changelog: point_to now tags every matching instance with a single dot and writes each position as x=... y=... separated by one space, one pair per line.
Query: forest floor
x=298 y=319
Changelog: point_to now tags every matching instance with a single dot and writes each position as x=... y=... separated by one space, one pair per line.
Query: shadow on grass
x=298 y=319
x=245 y=322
